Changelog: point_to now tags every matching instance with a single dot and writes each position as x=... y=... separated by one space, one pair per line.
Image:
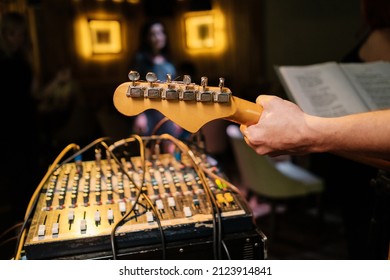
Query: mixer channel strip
x=80 y=204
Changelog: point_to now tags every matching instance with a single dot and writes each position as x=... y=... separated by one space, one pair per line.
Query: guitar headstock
x=187 y=104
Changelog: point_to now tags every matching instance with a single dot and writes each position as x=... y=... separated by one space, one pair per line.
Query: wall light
x=204 y=32
x=105 y=36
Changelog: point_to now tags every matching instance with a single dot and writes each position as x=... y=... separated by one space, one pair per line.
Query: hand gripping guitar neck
x=191 y=106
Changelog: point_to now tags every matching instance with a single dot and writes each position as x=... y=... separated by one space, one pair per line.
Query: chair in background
x=271 y=180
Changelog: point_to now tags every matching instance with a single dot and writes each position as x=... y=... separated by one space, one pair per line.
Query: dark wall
x=306 y=31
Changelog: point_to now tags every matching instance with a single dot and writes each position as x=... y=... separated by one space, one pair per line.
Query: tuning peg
x=188 y=93
x=171 y=92
x=152 y=91
x=133 y=90
x=222 y=96
x=133 y=76
x=221 y=83
x=151 y=77
x=204 y=82
x=204 y=95
x=187 y=79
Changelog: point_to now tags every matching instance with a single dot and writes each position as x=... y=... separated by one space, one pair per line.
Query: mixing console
x=82 y=201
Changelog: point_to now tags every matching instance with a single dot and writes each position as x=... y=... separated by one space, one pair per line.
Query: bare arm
x=285 y=129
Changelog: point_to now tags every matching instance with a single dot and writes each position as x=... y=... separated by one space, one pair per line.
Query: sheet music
x=372 y=82
x=321 y=89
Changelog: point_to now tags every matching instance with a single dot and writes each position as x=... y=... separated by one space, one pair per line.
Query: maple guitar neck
x=191 y=106
x=247 y=113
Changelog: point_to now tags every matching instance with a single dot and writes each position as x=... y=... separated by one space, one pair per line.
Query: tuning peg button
x=151 y=77
x=133 y=76
x=204 y=82
x=187 y=79
x=152 y=91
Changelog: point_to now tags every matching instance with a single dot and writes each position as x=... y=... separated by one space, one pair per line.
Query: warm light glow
x=205 y=32
x=84 y=39
x=200 y=32
x=105 y=36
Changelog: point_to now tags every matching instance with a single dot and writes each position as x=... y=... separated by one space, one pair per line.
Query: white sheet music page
x=321 y=89
x=372 y=82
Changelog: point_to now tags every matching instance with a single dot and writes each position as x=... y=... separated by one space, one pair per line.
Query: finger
x=243 y=129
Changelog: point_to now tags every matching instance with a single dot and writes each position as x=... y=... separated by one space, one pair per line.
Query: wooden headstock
x=187 y=104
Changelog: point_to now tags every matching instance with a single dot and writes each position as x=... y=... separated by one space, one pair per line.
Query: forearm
x=365 y=134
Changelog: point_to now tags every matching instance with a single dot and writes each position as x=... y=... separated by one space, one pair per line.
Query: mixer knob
x=109 y=195
x=48 y=200
x=121 y=193
x=110 y=215
x=83 y=225
x=98 y=196
x=73 y=198
x=85 y=198
x=61 y=200
x=41 y=230
x=187 y=211
x=195 y=201
x=122 y=207
x=71 y=215
x=159 y=204
x=149 y=217
x=97 y=216
x=55 y=228
x=171 y=201
x=229 y=197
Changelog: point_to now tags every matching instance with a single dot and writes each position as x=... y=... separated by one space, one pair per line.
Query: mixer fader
x=83 y=200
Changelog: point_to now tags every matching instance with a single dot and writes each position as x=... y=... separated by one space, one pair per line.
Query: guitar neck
x=247 y=113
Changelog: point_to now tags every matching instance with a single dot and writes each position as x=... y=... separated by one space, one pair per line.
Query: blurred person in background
x=153 y=55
